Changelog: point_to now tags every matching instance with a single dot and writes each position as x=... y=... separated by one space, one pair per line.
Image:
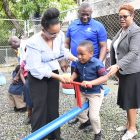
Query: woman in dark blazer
x=125 y=61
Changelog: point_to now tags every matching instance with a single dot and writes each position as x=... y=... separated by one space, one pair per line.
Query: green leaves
x=25 y=9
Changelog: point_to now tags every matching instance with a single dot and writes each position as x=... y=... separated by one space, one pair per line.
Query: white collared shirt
x=115 y=46
x=41 y=60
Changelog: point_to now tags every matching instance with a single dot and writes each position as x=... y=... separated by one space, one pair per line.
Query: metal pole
x=25 y=28
x=28 y=27
x=6 y=53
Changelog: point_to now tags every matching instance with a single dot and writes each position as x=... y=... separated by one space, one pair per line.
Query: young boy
x=91 y=72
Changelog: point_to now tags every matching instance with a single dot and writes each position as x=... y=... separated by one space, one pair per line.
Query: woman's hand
x=64 y=64
x=86 y=84
x=62 y=78
x=113 y=70
x=67 y=77
x=68 y=80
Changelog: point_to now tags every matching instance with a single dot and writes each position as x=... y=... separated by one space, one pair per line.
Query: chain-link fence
x=111 y=23
x=8 y=28
x=30 y=27
x=7 y=56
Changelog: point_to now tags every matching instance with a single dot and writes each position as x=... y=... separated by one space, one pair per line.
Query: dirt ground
x=12 y=126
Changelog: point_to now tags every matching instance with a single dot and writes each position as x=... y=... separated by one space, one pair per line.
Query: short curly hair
x=50 y=17
x=87 y=44
x=127 y=7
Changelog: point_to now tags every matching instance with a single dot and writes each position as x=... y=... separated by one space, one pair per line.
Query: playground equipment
x=50 y=127
x=2 y=79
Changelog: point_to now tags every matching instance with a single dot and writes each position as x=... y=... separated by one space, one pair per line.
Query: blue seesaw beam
x=50 y=127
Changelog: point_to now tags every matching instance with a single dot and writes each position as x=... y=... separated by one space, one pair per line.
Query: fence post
x=6 y=54
x=28 y=28
x=25 y=27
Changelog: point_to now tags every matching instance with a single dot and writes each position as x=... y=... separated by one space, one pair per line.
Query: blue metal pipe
x=50 y=127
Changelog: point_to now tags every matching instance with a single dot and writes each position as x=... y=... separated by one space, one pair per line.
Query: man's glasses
x=124 y=17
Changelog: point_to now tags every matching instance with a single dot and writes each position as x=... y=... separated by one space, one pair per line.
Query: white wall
x=108 y=7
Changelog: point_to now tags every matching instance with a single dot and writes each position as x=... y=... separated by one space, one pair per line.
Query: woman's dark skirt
x=129 y=91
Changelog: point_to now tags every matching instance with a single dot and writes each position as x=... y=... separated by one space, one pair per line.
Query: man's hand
x=15 y=80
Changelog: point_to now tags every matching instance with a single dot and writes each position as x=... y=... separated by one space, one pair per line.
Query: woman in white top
x=44 y=49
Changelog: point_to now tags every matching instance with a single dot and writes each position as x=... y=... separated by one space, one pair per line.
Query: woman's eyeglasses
x=124 y=17
x=50 y=34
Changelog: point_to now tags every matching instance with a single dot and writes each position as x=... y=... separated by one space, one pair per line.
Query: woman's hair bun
x=51 y=13
x=50 y=17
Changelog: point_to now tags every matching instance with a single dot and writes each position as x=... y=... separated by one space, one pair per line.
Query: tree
x=25 y=9
x=10 y=14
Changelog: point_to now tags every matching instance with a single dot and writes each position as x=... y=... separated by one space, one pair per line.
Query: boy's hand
x=86 y=84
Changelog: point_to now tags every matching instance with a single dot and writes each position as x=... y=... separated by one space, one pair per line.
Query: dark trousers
x=27 y=97
x=45 y=99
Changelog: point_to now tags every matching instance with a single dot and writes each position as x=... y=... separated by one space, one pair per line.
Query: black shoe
x=98 y=136
x=60 y=139
x=15 y=109
x=27 y=121
x=24 y=109
x=84 y=125
x=88 y=130
x=74 y=121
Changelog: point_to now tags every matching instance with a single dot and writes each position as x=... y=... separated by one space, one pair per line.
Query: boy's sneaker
x=98 y=136
x=23 y=109
x=15 y=109
x=88 y=130
x=84 y=125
